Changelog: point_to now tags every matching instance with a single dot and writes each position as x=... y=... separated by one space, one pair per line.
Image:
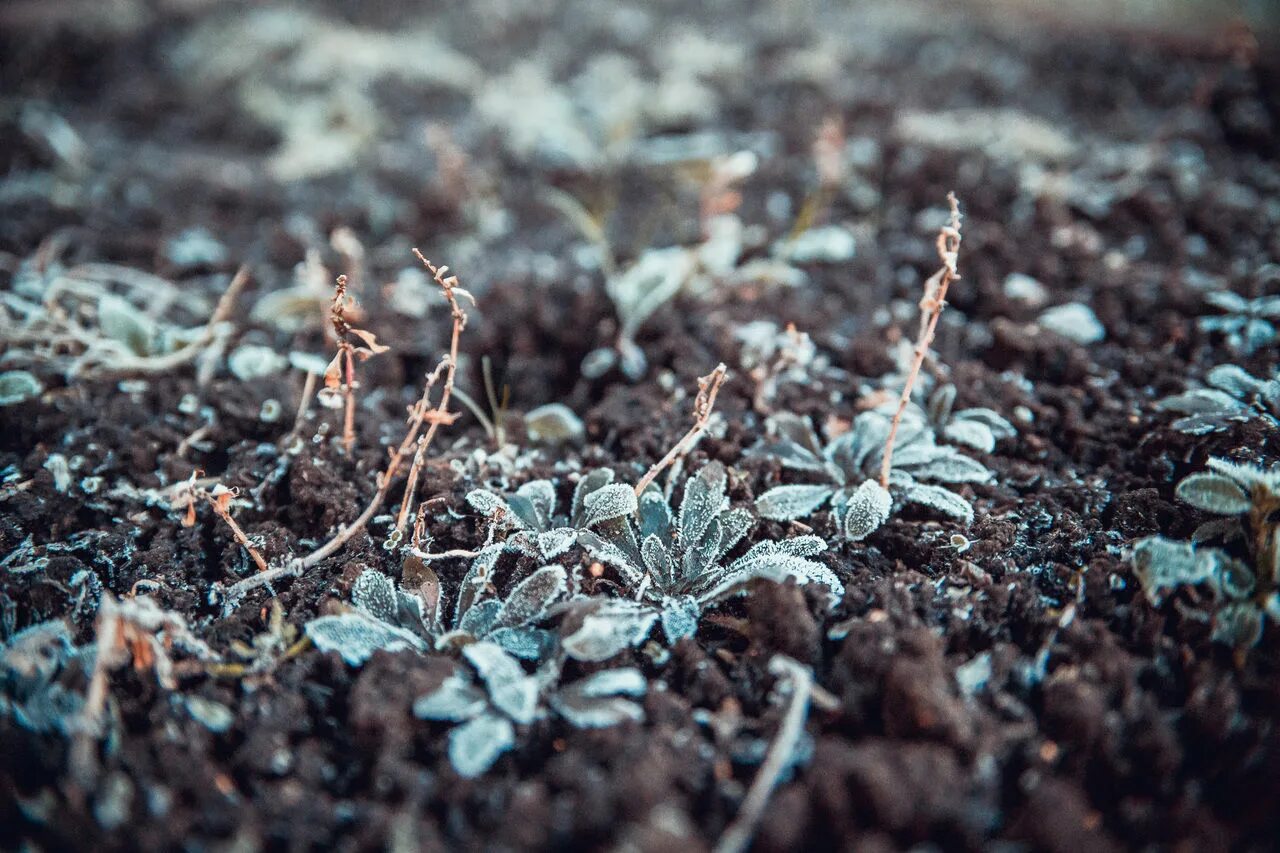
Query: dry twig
x=703 y=405
x=737 y=836
x=931 y=305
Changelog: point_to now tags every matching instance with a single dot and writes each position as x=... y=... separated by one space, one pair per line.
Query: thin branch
x=931 y=305
x=703 y=405
x=737 y=836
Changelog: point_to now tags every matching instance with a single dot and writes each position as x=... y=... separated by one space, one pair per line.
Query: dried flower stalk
x=703 y=405
x=340 y=375
x=931 y=305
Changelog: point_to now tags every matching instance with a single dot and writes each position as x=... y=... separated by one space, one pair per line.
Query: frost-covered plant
x=849 y=464
x=530 y=513
x=674 y=565
x=1249 y=324
x=978 y=428
x=31 y=690
x=392 y=618
x=1163 y=564
x=637 y=292
x=1248 y=499
x=1233 y=395
x=489 y=707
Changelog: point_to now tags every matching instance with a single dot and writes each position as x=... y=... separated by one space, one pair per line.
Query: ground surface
x=1129 y=172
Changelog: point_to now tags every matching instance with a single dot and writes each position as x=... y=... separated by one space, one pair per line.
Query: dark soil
x=1106 y=723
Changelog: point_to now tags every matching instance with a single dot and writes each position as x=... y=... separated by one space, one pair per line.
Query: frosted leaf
x=778 y=561
x=494 y=506
x=1201 y=401
x=652 y=280
x=788 y=503
x=1214 y=493
x=624 y=681
x=525 y=643
x=473 y=582
x=798 y=431
x=480 y=618
x=951 y=466
x=1238 y=625
x=1074 y=321
x=588 y=483
x=356 y=636
x=1235 y=381
x=553 y=543
x=613 y=627
x=615 y=500
x=971 y=434
x=533 y=597
x=456 y=699
x=1162 y=564
x=510 y=690
x=868 y=508
x=17 y=386
x=1247 y=476
x=703 y=501
x=586 y=712
x=680 y=618
x=941 y=500
x=655 y=515
x=991 y=419
x=1235 y=580
x=792 y=455
x=657 y=559
x=542 y=494
x=554 y=423
x=941 y=403
x=375 y=594
x=611 y=555
x=734 y=525
x=475 y=745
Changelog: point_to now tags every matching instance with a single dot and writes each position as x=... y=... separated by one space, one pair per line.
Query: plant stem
x=931 y=305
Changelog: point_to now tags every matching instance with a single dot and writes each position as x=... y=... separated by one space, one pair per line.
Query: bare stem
x=237 y=531
x=703 y=405
x=931 y=305
x=737 y=836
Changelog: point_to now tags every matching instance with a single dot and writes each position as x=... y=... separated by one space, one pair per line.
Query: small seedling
x=848 y=464
x=1248 y=324
x=674 y=565
x=1233 y=396
x=530 y=513
x=397 y=619
x=501 y=696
